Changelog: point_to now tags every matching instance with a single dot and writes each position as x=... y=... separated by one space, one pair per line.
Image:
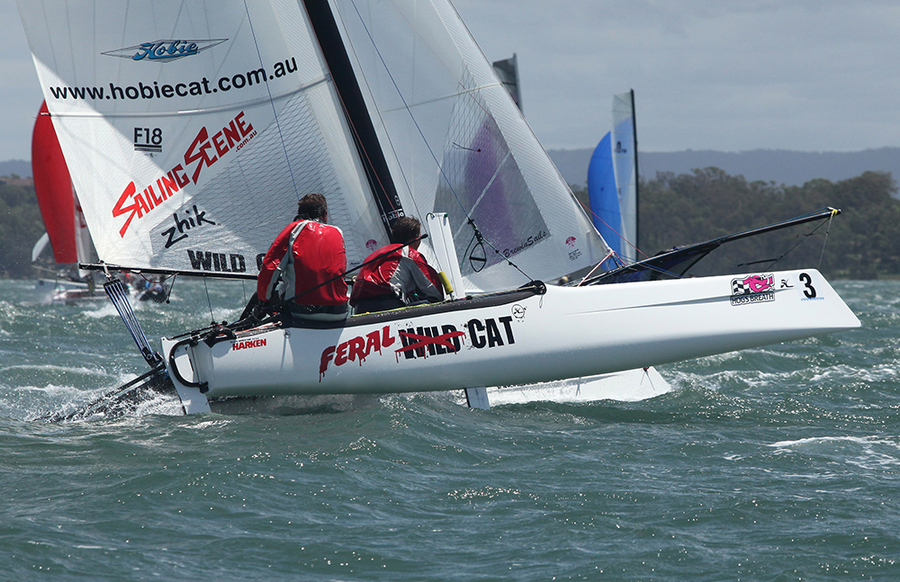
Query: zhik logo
x=165 y=50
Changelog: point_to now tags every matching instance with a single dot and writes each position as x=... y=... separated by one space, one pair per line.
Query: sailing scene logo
x=753 y=289
x=204 y=152
x=164 y=50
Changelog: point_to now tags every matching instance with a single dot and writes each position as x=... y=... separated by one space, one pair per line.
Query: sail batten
x=204 y=111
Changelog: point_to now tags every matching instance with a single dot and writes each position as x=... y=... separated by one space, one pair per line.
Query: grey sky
x=808 y=75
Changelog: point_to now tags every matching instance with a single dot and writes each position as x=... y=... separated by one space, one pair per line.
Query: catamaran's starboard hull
x=515 y=338
x=625 y=386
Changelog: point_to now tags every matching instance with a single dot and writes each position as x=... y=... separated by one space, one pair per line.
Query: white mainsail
x=191 y=128
x=457 y=143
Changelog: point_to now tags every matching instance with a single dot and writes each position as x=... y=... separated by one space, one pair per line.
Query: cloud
x=707 y=75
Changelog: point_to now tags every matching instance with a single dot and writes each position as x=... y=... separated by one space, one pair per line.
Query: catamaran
x=66 y=229
x=191 y=129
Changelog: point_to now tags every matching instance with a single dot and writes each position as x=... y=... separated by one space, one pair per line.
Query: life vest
x=306 y=262
x=397 y=270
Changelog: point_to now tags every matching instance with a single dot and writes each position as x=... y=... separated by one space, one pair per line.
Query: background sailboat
x=613 y=181
x=67 y=232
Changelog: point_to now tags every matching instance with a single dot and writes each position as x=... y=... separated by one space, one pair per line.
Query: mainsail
x=624 y=142
x=606 y=209
x=195 y=126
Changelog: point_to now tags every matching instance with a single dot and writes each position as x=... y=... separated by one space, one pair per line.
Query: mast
x=354 y=107
x=637 y=180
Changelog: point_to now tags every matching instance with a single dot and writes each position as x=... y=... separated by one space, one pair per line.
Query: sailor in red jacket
x=398 y=274
x=307 y=262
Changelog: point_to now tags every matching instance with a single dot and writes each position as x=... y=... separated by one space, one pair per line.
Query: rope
x=208 y=301
x=827 y=232
x=618 y=234
x=803 y=237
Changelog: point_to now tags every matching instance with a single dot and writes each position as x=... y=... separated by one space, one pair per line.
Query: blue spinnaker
x=604 y=196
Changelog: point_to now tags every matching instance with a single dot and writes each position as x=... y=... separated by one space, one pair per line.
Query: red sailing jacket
x=400 y=270
x=305 y=255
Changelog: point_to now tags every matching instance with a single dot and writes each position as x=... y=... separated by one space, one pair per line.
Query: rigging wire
x=802 y=237
x=209 y=301
x=272 y=103
x=353 y=128
x=616 y=257
x=346 y=87
x=825 y=242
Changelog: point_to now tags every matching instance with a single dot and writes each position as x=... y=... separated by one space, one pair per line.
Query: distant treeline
x=862 y=243
x=780 y=166
x=20 y=227
x=675 y=210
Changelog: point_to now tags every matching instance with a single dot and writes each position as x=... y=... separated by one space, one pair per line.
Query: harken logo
x=165 y=50
x=753 y=289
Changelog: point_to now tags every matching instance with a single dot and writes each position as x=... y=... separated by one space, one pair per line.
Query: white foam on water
x=833 y=439
x=872 y=453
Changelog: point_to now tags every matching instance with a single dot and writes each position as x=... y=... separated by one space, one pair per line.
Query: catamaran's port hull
x=514 y=338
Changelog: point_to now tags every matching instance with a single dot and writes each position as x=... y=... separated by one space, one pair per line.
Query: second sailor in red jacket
x=398 y=274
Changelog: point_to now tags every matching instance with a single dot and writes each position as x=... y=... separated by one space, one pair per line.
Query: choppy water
x=780 y=463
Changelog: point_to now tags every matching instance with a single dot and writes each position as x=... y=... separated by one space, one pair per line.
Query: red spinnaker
x=53 y=186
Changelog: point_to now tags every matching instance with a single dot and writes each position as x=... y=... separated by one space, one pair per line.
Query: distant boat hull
x=61 y=291
x=521 y=337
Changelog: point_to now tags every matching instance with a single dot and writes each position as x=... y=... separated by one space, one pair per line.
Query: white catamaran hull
x=520 y=337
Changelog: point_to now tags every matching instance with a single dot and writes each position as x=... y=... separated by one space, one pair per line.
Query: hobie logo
x=165 y=50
